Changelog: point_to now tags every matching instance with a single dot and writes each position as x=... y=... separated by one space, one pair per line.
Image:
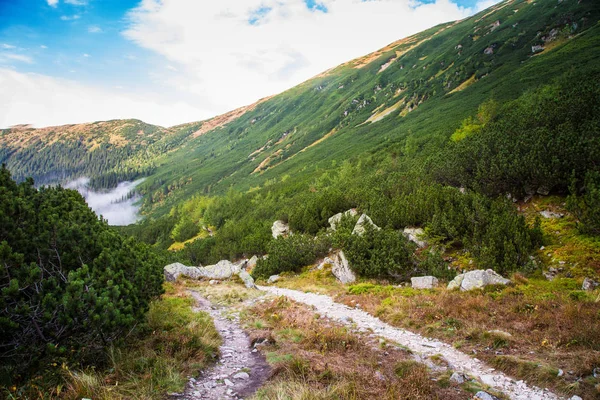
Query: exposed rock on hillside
x=333 y=221
x=360 y=227
x=415 y=235
x=280 y=228
x=341 y=269
x=224 y=269
x=477 y=279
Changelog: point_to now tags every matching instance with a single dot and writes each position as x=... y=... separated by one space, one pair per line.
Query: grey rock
x=415 y=235
x=273 y=279
x=175 y=270
x=589 y=284
x=423 y=282
x=360 y=227
x=575 y=398
x=252 y=262
x=326 y=261
x=280 y=228
x=481 y=395
x=247 y=279
x=333 y=221
x=477 y=279
x=458 y=378
x=341 y=269
x=498 y=332
x=241 y=375
x=227 y=382
x=224 y=269
x=551 y=214
x=379 y=376
x=213 y=282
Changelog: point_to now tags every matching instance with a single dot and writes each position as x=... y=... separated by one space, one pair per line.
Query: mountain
x=403 y=98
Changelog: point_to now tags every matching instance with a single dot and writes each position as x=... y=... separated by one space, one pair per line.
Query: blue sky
x=173 y=61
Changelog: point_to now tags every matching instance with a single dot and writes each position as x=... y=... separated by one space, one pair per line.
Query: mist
x=112 y=204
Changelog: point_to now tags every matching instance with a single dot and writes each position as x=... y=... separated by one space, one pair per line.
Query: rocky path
x=240 y=371
x=422 y=346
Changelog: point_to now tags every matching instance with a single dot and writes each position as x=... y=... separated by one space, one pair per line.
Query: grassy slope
x=342 y=99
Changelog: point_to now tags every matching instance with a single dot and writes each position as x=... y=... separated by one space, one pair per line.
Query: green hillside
x=404 y=98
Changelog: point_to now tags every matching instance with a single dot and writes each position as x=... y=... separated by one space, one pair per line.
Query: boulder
x=247 y=279
x=341 y=269
x=359 y=228
x=280 y=228
x=252 y=262
x=173 y=271
x=423 y=282
x=477 y=279
x=224 y=269
x=273 y=279
x=333 y=221
x=459 y=378
x=589 y=284
x=325 y=261
x=415 y=235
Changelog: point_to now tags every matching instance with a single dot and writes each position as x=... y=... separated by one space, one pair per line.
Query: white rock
x=589 y=284
x=273 y=279
x=252 y=262
x=551 y=214
x=415 y=235
x=224 y=269
x=423 y=282
x=575 y=398
x=280 y=228
x=228 y=382
x=175 y=270
x=484 y=396
x=459 y=378
x=359 y=228
x=341 y=269
x=477 y=279
x=333 y=221
x=247 y=279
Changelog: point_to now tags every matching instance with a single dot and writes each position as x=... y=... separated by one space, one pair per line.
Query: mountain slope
x=410 y=94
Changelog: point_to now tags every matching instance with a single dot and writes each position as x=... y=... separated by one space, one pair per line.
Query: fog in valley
x=112 y=204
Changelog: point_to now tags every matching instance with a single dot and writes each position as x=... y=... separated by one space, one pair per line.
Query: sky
x=168 y=62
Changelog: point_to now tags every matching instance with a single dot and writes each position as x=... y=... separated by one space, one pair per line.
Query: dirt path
x=418 y=344
x=240 y=371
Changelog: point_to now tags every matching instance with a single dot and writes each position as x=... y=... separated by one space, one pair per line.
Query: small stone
x=458 y=378
x=575 y=398
x=213 y=282
x=481 y=395
x=423 y=282
x=596 y=372
x=241 y=375
x=560 y=372
x=227 y=382
x=379 y=376
x=273 y=279
x=589 y=284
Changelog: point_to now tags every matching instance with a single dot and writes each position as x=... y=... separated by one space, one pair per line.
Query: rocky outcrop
x=333 y=221
x=280 y=228
x=477 y=279
x=415 y=235
x=252 y=262
x=360 y=227
x=551 y=214
x=224 y=269
x=341 y=269
x=175 y=270
x=423 y=282
x=326 y=261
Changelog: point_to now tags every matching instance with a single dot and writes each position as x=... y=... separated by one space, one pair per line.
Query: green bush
x=586 y=205
x=69 y=284
x=290 y=254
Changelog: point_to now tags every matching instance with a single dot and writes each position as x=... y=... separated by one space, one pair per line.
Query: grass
x=174 y=344
x=314 y=358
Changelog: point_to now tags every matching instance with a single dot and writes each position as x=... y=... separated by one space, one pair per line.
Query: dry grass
x=314 y=358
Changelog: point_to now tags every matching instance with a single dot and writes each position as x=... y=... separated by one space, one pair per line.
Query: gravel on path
x=422 y=346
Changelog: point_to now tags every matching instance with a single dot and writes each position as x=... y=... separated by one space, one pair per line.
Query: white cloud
x=86 y=55
x=43 y=46
x=52 y=3
x=7 y=57
x=220 y=54
x=7 y=46
x=94 y=29
x=46 y=101
x=70 y=17
x=76 y=2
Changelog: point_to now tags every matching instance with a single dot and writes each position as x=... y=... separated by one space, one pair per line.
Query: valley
x=422 y=222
